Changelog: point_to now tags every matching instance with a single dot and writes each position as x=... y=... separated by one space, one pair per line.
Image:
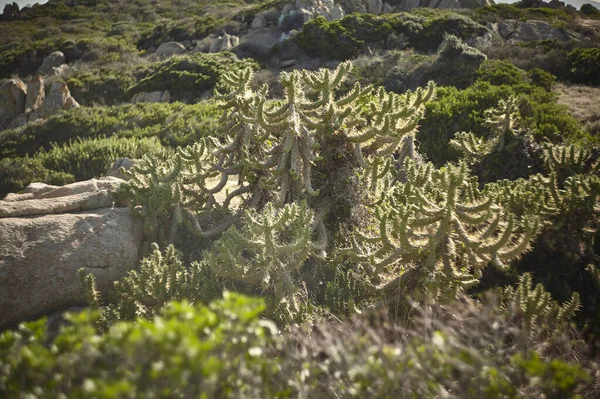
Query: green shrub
x=24 y=58
x=462 y=110
x=173 y=124
x=499 y=12
x=100 y=85
x=541 y=78
x=188 y=351
x=346 y=38
x=186 y=77
x=500 y=73
x=79 y=160
x=589 y=10
x=88 y=158
x=17 y=173
x=585 y=65
x=225 y=350
x=180 y=30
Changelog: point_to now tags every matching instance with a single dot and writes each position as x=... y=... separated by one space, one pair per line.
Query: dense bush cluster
x=186 y=78
x=346 y=38
x=50 y=151
x=421 y=222
x=225 y=350
x=456 y=110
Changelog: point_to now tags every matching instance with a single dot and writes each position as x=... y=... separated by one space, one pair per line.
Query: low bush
x=225 y=350
x=173 y=124
x=186 y=77
x=180 y=30
x=499 y=12
x=585 y=65
x=463 y=110
x=100 y=85
x=346 y=38
x=553 y=56
x=79 y=160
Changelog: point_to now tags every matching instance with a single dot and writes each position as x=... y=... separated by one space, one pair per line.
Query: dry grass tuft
x=583 y=102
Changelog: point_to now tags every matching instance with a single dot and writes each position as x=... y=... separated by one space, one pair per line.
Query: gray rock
x=493 y=27
x=565 y=35
x=13 y=93
x=39 y=188
x=485 y=40
x=257 y=44
x=152 y=97
x=374 y=6
x=259 y=22
x=19 y=121
x=60 y=70
x=288 y=63
x=115 y=169
x=286 y=9
x=53 y=60
x=58 y=99
x=507 y=28
x=35 y=94
x=291 y=21
x=337 y=12
x=223 y=43
x=40 y=257
x=534 y=30
x=73 y=203
x=231 y=28
x=306 y=15
x=407 y=5
x=170 y=48
x=87 y=186
x=449 y=4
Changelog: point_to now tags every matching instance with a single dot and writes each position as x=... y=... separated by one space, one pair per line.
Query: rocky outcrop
x=40 y=199
x=115 y=169
x=54 y=60
x=13 y=93
x=170 y=48
x=257 y=44
x=58 y=98
x=41 y=253
x=60 y=70
x=152 y=97
x=259 y=22
x=217 y=43
x=532 y=30
x=303 y=11
x=35 y=94
x=37 y=105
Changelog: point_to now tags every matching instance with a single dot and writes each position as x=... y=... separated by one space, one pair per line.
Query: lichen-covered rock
x=40 y=257
x=53 y=60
